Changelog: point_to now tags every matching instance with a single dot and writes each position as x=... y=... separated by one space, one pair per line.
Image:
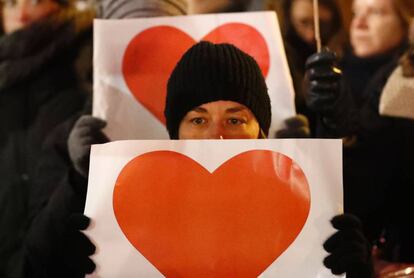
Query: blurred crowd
x=46 y=129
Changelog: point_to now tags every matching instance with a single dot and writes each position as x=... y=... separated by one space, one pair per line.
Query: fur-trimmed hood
x=26 y=52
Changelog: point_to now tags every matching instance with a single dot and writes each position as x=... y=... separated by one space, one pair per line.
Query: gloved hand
x=86 y=132
x=77 y=247
x=323 y=80
x=349 y=250
x=296 y=127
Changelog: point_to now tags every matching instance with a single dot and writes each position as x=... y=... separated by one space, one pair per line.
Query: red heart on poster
x=233 y=222
x=151 y=56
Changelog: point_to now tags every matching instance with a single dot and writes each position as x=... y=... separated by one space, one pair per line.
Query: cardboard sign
x=133 y=60
x=213 y=208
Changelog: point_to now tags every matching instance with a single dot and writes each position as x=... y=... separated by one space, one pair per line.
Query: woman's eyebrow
x=235 y=109
x=199 y=110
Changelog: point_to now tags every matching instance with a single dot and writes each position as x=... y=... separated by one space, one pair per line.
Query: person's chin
x=10 y=28
x=365 y=51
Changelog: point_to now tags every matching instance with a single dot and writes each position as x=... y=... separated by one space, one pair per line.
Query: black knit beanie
x=210 y=72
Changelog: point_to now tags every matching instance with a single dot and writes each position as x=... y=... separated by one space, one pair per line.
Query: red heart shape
x=233 y=222
x=151 y=56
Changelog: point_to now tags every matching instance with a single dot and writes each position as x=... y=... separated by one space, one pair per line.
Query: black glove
x=296 y=127
x=323 y=83
x=349 y=250
x=86 y=132
x=329 y=97
x=77 y=247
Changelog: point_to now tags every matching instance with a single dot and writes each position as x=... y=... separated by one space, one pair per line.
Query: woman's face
x=301 y=15
x=18 y=14
x=376 y=27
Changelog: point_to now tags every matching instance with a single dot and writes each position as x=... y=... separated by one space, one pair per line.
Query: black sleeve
x=58 y=192
x=45 y=239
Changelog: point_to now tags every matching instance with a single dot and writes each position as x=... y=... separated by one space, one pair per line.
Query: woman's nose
x=216 y=131
x=360 y=21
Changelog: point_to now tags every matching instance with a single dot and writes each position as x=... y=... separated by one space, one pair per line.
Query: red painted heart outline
x=152 y=54
x=234 y=233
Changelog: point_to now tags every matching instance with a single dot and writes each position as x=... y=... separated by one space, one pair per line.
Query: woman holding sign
x=216 y=91
x=378 y=150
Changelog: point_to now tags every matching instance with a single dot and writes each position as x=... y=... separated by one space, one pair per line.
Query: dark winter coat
x=59 y=192
x=378 y=158
x=297 y=52
x=40 y=88
x=57 y=198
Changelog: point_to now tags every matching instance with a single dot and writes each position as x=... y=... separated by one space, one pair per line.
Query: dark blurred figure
x=297 y=24
x=42 y=78
x=54 y=246
x=378 y=150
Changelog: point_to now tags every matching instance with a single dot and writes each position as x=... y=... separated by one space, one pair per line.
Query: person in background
x=378 y=155
x=50 y=241
x=297 y=24
x=44 y=70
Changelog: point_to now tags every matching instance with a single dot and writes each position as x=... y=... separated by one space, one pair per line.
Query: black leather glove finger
x=324 y=102
x=323 y=82
x=324 y=72
x=296 y=127
x=322 y=89
x=349 y=250
x=346 y=259
x=344 y=236
x=86 y=132
x=346 y=221
x=78 y=246
x=324 y=57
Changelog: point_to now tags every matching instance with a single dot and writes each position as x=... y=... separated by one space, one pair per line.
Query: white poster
x=133 y=59
x=213 y=208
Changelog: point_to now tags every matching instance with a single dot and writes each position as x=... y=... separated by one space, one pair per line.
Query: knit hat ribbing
x=210 y=72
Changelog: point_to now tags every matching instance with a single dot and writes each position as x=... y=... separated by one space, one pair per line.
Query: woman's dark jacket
x=378 y=155
x=42 y=78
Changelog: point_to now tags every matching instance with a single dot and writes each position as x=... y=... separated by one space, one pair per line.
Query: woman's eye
x=306 y=23
x=198 y=121
x=235 y=121
x=377 y=11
